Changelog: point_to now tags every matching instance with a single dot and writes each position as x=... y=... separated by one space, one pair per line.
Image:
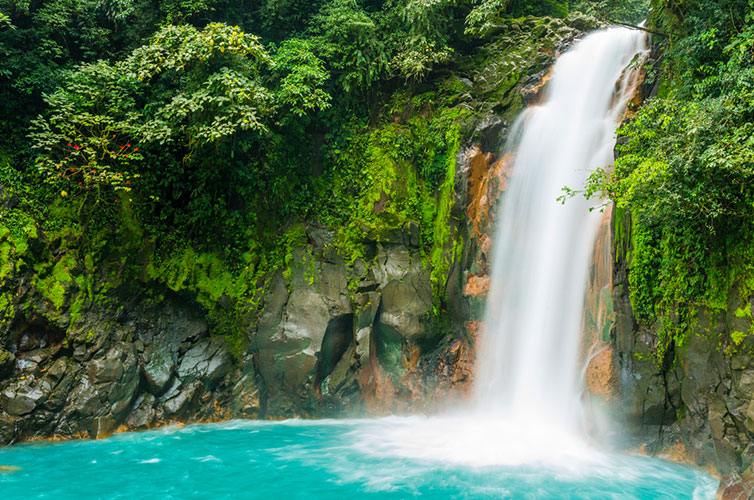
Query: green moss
x=445 y=238
x=6 y=308
x=53 y=290
x=737 y=337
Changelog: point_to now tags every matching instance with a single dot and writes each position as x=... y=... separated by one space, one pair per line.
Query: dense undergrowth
x=685 y=171
x=189 y=143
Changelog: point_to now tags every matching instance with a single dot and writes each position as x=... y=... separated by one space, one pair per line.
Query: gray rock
x=107 y=369
x=246 y=401
x=208 y=361
x=144 y=414
x=7 y=363
x=158 y=367
x=37 y=356
x=80 y=353
x=404 y=306
x=22 y=397
x=334 y=289
x=28 y=342
x=58 y=368
x=179 y=405
x=86 y=399
x=7 y=428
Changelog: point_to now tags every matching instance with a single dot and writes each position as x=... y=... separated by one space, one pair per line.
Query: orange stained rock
x=601 y=374
x=487 y=180
x=536 y=91
x=477 y=286
x=637 y=96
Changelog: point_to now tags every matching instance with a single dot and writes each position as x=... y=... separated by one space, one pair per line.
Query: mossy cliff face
x=109 y=329
x=689 y=395
x=699 y=393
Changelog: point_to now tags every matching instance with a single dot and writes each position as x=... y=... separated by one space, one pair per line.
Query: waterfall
x=525 y=406
x=528 y=355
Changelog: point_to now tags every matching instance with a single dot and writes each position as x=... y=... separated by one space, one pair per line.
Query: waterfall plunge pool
x=328 y=459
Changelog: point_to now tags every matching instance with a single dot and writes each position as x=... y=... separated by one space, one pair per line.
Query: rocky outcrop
x=695 y=394
x=87 y=351
x=97 y=374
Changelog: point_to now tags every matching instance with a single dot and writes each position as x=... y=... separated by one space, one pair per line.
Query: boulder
x=178 y=405
x=208 y=361
x=7 y=428
x=102 y=426
x=108 y=368
x=23 y=396
x=143 y=415
x=7 y=363
x=246 y=399
x=158 y=367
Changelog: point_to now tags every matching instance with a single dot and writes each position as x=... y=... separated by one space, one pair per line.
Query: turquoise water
x=327 y=459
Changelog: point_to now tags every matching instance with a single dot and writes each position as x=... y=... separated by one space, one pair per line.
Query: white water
x=526 y=405
x=528 y=357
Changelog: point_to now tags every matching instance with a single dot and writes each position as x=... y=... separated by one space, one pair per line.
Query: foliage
x=685 y=172
x=347 y=37
x=185 y=142
x=627 y=11
x=302 y=77
x=487 y=13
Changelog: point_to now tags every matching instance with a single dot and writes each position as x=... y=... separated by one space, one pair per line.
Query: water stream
x=522 y=435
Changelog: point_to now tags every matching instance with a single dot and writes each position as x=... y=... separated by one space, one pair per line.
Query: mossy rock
x=7 y=361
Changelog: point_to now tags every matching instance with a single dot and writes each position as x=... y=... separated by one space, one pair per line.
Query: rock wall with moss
x=682 y=258
x=103 y=326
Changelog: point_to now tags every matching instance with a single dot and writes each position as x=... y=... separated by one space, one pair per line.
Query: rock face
x=326 y=335
x=700 y=394
x=697 y=396
x=99 y=375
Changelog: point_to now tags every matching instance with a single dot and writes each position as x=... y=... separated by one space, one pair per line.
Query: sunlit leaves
x=302 y=76
x=185 y=48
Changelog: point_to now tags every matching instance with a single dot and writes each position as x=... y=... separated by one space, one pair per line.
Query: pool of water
x=317 y=459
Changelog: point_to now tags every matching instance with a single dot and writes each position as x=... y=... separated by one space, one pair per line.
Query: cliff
x=111 y=329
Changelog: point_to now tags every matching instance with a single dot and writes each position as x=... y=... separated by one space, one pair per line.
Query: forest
x=241 y=171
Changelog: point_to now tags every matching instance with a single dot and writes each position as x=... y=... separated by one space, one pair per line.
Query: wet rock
x=246 y=399
x=7 y=428
x=107 y=369
x=28 y=342
x=333 y=288
x=158 y=367
x=144 y=414
x=80 y=353
x=179 y=405
x=7 y=363
x=288 y=344
x=58 y=368
x=102 y=426
x=25 y=366
x=59 y=396
x=404 y=306
x=21 y=398
x=208 y=361
x=735 y=486
x=37 y=356
x=85 y=399
x=343 y=374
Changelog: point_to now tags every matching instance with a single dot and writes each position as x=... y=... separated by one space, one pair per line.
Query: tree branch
x=653 y=32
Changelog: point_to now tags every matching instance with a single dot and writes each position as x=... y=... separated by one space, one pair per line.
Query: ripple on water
x=375 y=458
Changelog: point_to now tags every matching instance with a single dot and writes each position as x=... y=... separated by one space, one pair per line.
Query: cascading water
x=529 y=352
x=526 y=405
